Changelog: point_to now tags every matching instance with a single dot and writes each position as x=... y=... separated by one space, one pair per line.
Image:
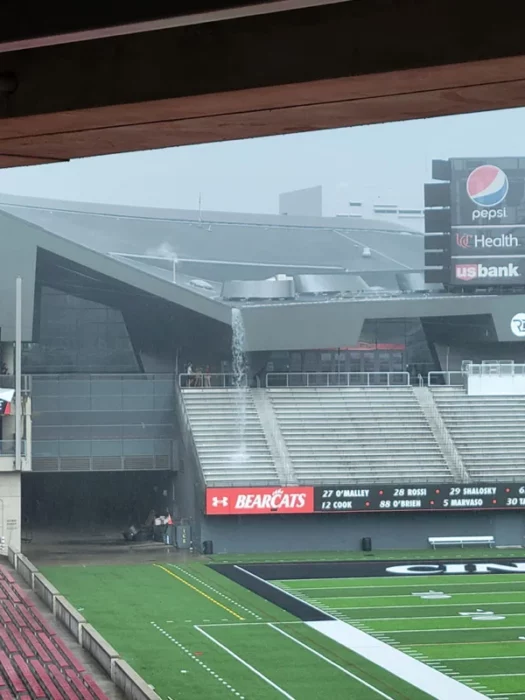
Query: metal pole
x=18 y=376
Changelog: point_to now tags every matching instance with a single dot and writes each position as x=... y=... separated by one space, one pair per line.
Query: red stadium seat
x=36 y=689
x=18 y=637
x=45 y=679
x=82 y=691
x=14 y=614
x=73 y=661
x=56 y=656
x=41 y=652
x=11 y=675
x=95 y=690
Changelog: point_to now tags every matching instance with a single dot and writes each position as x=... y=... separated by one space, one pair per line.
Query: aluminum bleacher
x=229 y=454
x=34 y=661
x=357 y=435
x=488 y=431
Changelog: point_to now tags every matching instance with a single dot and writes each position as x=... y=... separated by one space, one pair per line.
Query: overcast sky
x=387 y=163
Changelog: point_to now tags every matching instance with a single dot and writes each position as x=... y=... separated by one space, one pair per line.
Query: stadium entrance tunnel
x=88 y=504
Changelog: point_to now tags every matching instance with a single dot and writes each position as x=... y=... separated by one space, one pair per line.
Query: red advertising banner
x=266 y=500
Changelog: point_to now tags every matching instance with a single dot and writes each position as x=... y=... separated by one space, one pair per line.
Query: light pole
x=18 y=376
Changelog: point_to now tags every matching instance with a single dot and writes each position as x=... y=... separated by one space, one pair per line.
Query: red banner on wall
x=267 y=500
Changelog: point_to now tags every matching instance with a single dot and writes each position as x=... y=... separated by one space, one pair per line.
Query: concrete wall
x=344 y=532
x=18 y=258
x=307 y=202
x=10 y=504
x=105 y=421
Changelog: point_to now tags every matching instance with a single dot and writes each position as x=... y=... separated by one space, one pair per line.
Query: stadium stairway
x=228 y=454
x=358 y=435
x=34 y=661
x=488 y=431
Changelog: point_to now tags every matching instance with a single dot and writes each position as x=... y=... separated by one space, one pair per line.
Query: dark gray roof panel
x=327 y=245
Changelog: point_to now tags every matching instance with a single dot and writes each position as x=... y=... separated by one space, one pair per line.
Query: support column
x=10 y=511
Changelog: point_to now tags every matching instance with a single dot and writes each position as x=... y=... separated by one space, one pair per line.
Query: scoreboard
x=355 y=498
x=349 y=499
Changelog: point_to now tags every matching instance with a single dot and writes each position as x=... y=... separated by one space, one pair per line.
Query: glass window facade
x=385 y=345
x=78 y=335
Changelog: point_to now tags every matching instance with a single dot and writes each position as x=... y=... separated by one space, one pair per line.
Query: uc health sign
x=268 y=500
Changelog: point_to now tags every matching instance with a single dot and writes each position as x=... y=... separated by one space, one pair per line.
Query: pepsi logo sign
x=487 y=186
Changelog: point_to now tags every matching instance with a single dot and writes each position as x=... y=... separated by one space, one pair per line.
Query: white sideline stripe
x=245 y=663
x=409 y=669
x=332 y=663
x=390 y=659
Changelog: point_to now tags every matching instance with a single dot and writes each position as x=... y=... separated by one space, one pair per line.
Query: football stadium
x=256 y=456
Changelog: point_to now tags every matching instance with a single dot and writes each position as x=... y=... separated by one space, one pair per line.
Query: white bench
x=461 y=541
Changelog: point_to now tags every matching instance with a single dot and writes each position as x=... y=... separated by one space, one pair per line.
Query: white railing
x=221 y=380
x=282 y=451
x=440 y=430
x=455 y=378
x=321 y=379
x=496 y=369
x=187 y=437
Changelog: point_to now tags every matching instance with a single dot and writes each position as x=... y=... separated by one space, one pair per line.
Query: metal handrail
x=312 y=379
x=7 y=448
x=215 y=380
x=438 y=421
x=7 y=381
x=452 y=378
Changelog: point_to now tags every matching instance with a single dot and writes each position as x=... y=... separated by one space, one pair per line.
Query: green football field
x=483 y=651
x=191 y=632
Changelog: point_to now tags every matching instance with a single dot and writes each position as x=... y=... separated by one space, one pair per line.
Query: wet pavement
x=81 y=548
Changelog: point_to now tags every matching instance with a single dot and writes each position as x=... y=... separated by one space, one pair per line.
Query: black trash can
x=366 y=544
x=207 y=547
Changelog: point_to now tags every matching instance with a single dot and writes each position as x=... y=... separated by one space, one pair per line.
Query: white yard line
x=245 y=663
x=418 y=674
x=415 y=606
x=332 y=663
x=495 y=675
x=478 y=658
x=398 y=585
x=214 y=590
x=371 y=597
x=198 y=661
x=454 y=629
x=413 y=617
x=249 y=624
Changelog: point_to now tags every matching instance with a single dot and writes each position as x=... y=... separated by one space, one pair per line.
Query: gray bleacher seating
x=214 y=416
x=353 y=435
x=488 y=431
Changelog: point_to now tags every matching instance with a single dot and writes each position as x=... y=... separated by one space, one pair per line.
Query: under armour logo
x=215 y=501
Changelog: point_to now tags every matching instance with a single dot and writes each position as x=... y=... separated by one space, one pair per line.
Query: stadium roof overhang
x=75 y=83
x=338 y=323
x=287 y=325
